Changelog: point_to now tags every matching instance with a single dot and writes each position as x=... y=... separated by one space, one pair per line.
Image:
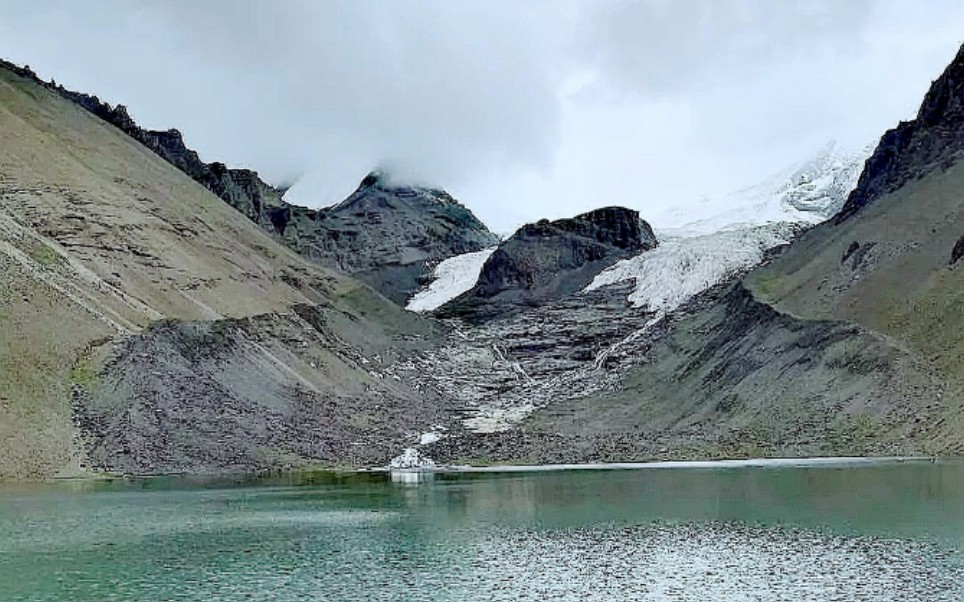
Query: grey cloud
x=659 y=47
x=522 y=109
x=330 y=89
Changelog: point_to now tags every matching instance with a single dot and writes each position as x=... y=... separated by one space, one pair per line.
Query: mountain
x=146 y=326
x=736 y=231
x=914 y=149
x=733 y=233
x=507 y=371
x=549 y=260
x=847 y=342
x=149 y=324
x=387 y=234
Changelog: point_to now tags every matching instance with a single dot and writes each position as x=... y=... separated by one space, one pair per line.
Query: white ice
x=707 y=242
x=429 y=438
x=452 y=277
x=681 y=267
x=411 y=459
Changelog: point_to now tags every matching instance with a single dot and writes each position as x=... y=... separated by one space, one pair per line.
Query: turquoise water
x=879 y=532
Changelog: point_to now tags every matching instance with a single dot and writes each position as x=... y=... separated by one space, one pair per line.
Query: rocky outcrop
x=387 y=235
x=934 y=140
x=549 y=260
x=958 y=251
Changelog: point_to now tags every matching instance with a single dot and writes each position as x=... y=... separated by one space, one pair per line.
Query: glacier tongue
x=453 y=277
x=683 y=266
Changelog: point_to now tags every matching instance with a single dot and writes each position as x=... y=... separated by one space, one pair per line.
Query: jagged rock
x=915 y=148
x=549 y=260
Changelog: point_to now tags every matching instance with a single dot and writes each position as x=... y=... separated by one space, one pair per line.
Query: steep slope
x=240 y=188
x=931 y=142
x=110 y=258
x=887 y=262
x=389 y=235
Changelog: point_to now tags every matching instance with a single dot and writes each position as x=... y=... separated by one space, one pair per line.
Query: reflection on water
x=411 y=477
x=887 y=532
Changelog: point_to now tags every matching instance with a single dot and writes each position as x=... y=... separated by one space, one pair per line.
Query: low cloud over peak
x=523 y=110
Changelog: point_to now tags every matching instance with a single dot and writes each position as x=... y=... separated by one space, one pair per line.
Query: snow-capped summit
x=702 y=243
x=734 y=231
x=806 y=193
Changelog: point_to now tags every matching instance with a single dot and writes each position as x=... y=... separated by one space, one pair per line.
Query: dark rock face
x=958 y=251
x=387 y=235
x=549 y=260
x=915 y=148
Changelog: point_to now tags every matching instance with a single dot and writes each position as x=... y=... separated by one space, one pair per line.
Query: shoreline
x=764 y=463
x=806 y=462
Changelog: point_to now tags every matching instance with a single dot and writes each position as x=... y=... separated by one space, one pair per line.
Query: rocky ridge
x=913 y=149
x=389 y=235
x=148 y=327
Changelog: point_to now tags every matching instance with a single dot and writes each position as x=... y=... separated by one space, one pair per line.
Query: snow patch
x=452 y=277
x=429 y=438
x=410 y=459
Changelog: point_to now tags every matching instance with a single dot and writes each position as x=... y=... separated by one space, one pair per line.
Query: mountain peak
x=915 y=148
x=374 y=178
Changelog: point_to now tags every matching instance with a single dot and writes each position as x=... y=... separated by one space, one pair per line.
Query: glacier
x=684 y=266
x=502 y=370
x=806 y=193
x=734 y=231
x=702 y=243
x=451 y=278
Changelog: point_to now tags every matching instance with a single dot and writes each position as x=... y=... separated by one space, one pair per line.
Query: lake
x=889 y=531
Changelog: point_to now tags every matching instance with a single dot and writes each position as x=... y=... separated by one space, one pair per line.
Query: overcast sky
x=522 y=110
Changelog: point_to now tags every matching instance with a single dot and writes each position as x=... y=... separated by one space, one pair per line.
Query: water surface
x=871 y=532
